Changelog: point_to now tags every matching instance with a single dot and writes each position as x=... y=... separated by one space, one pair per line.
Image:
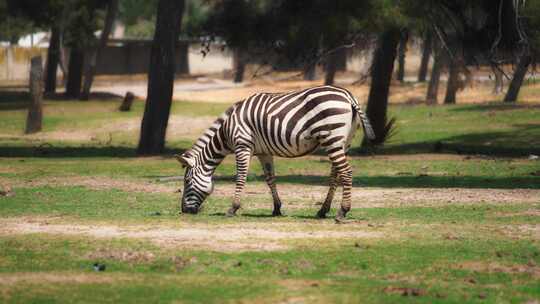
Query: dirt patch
x=67 y=135
x=8 y=279
x=419 y=156
x=73 y=135
x=179 y=126
x=97 y=183
x=186 y=127
x=293 y=284
x=413 y=157
x=399 y=93
x=522 y=231
x=128 y=186
x=493 y=267
x=405 y=291
x=425 y=157
x=5 y=190
x=530 y=212
x=237 y=93
x=306 y=196
x=8 y=170
x=234 y=237
x=302 y=196
x=133 y=257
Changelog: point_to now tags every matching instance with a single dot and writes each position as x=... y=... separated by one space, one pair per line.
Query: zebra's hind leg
x=267 y=162
x=344 y=174
x=243 y=156
x=330 y=196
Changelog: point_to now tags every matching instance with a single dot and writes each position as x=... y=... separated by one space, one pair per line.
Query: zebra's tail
x=368 y=129
x=366 y=125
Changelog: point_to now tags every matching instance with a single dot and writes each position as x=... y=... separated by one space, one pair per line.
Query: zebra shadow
x=268 y=214
x=247 y=214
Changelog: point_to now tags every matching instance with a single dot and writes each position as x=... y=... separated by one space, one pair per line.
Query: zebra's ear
x=185 y=160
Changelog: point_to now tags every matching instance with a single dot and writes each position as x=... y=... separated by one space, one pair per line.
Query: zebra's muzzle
x=191 y=209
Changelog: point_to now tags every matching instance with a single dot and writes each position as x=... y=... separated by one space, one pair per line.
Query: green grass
x=344 y=273
x=85 y=203
x=461 y=251
x=369 y=172
x=74 y=114
x=116 y=205
x=493 y=129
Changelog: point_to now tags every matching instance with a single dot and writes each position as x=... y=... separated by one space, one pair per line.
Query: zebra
x=290 y=124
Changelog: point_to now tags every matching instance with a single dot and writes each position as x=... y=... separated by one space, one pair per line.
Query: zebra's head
x=197 y=184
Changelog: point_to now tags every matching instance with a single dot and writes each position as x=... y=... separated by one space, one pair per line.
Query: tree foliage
x=139 y=17
x=131 y=11
x=17 y=21
x=293 y=31
x=531 y=16
x=474 y=27
x=79 y=18
x=12 y=28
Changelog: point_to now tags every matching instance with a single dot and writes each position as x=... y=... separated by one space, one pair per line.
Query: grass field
x=448 y=211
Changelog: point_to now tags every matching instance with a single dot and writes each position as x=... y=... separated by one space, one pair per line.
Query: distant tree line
x=458 y=34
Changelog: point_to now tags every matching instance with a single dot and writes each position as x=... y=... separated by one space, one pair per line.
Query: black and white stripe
x=277 y=124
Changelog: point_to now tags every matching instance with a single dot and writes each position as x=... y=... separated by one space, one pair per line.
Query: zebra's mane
x=205 y=138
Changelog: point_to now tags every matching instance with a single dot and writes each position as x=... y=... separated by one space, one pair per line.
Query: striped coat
x=277 y=124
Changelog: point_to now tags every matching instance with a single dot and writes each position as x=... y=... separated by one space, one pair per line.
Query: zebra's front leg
x=330 y=196
x=243 y=156
x=267 y=162
x=344 y=175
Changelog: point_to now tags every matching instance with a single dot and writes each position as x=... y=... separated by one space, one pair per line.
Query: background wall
x=121 y=58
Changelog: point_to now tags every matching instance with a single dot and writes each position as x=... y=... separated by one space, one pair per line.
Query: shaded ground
x=214 y=89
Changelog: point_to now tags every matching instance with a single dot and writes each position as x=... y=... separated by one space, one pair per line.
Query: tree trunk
x=239 y=62
x=434 y=80
x=331 y=67
x=160 y=77
x=310 y=72
x=127 y=102
x=499 y=81
x=402 y=51
x=75 y=71
x=452 y=84
x=63 y=60
x=63 y=50
x=517 y=80
x=53 y=57
x=112 y=9
x=426 y=53
x=381 y=76
x=35 y=112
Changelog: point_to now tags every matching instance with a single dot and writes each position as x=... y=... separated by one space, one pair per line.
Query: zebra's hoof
x=341 y=220
x=277 y=213
x=340 y=217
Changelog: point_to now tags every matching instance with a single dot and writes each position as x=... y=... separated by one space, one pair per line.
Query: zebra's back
x=296 y=123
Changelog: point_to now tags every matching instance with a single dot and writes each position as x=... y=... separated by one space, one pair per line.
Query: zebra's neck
x=211 y=148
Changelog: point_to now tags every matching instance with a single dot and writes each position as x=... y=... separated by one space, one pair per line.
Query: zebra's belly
x=305 y=146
